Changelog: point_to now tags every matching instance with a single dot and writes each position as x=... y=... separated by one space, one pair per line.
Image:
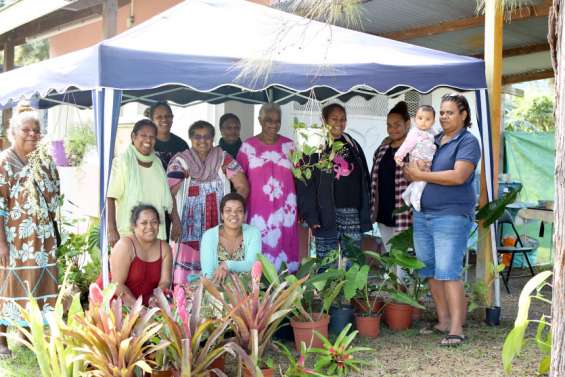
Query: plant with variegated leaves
x=256 y=314
x=55 y=357
x=111 y=343
x=195 y=341
x=338 y=359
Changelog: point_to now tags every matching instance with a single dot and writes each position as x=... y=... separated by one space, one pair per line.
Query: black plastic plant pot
x=492 y=317
x=284 y=332
x=341 y=317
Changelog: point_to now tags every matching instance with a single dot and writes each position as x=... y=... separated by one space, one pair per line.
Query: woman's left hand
x=412 y=173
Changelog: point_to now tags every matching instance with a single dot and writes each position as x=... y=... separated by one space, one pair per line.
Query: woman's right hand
x=113 y=236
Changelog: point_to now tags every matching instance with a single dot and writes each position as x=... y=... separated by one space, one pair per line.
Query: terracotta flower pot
x=369 y=326
x=219 y=363
x=304 y=331
x=417 y=314
x=266 y=372
x=162 y=373
x=398 y=317
x=361 y=307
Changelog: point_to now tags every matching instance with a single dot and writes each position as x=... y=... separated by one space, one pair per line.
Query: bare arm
x=461 y=171
x=120 y=261
x=240 y=183
x=113 y=235
x=166 y=267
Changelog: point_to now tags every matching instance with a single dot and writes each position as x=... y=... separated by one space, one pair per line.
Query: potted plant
x=195 y=342
x=77 y=143
x=308 y=313
x=101 y=332
x=477 y=297
x=398 y=309
x=315 y=149
x=255 y=315
x=368 y=316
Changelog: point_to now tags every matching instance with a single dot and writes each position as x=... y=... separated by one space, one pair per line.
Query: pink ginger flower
x=257 y=271
x=341 y=166
x=180 y=302
x=95 y=295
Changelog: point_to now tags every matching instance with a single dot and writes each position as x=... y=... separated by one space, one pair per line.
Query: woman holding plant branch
x=335 y=202
x=29 y=198
x=441 y=229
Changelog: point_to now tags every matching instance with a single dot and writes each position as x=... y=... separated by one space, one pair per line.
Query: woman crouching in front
x=231 y=246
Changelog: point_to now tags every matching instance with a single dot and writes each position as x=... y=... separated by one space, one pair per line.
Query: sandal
x=452 y=340
x=430 y=329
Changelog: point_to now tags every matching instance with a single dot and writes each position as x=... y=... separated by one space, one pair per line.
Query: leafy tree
x=533 y=114
x=32 y=52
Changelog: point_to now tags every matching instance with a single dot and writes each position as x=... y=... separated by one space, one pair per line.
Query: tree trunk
x=557 y=43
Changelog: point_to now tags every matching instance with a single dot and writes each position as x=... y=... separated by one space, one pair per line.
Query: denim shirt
x=458 y=199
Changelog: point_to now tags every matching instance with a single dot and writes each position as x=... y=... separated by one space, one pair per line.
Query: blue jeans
x=440 y=241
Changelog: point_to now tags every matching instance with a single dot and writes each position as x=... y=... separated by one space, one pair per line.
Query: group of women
x=224 y=210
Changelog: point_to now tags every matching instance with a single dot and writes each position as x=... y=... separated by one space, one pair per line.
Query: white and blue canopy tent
x=193 y=53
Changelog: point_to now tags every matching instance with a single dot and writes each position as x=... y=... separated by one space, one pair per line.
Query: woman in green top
x=231 y=246
x=137 y=177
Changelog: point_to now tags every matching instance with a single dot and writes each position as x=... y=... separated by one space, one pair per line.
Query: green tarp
x=530 y=159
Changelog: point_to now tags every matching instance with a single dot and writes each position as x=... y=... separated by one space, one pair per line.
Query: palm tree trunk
x=557 y=42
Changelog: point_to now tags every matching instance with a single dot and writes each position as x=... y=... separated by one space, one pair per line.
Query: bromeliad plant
x=55 y=356
x=338 y=359
x=195 y=342
x=256 y=315
x=109 y=342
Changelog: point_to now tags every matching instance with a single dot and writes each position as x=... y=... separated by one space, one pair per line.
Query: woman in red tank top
x=140 y=263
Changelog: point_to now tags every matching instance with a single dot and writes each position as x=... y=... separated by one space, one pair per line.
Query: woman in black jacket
x=336 y=204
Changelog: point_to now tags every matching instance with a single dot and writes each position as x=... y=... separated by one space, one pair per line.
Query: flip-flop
x=432 y=329
x=448 y=341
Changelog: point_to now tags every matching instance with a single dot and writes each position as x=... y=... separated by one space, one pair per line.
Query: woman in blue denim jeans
x=442 y=227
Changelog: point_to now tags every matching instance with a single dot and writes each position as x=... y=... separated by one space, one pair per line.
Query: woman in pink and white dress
x=272 y=196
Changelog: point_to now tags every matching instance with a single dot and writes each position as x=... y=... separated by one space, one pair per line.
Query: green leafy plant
x=256 y=315
x=493 y=210
x=77 y=142
x=478 y=291
x=55 y=356
x=338 y=359
x=80 y=255
x=315 y=149
x=397 y=289
x=514 y=341
x=109 y=342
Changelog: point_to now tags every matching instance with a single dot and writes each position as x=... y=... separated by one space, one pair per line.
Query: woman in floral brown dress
x=29 y=197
